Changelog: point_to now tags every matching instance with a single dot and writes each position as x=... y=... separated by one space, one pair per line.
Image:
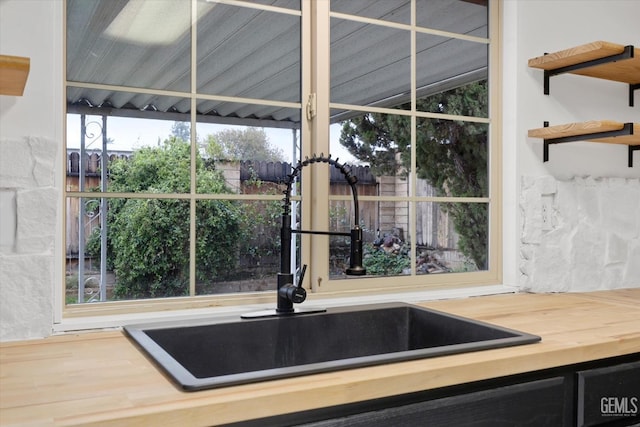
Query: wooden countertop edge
x=325 y=390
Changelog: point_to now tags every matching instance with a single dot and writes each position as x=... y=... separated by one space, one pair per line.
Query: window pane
x=146 y=148
x=130 y=166
x=146 y=252
x=249 y=53
x=370 y=64
x=248 y=160
x=144 y=43
x=385 y=228
x=238 y=246
x=451 y=237
x=160 y=169
x=380 y=141
x=462 y=17
x=341 y=213
x=449 y=70
x=452 y=158
x=387 y=10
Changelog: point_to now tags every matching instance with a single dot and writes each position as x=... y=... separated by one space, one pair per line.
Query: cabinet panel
x=536 y=403
x=609 y=394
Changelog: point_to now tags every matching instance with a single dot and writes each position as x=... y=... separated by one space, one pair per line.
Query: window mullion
x=315 y=191
x=306 y=41
x=495 y=253
x=412 y=172
x=194 y=147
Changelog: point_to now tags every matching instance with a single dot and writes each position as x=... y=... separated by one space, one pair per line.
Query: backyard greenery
x=148 y=239
x=381 y=263
x=450 y=155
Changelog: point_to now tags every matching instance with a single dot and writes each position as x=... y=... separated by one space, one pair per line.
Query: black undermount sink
x=200 y=355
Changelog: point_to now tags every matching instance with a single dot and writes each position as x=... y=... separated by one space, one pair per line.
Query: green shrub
x=379 y=262
x=148 y=239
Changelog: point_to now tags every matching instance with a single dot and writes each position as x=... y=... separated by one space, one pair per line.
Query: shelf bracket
x=632 y=148
x=627 y=53
x=632 y=89
x=627 y=129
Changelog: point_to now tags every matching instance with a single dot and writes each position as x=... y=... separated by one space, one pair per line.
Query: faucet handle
x=293 y=293
x=298 y=294
x=301 y=276
x=290 y=292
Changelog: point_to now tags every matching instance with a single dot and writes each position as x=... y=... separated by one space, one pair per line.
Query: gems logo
x=619 y=406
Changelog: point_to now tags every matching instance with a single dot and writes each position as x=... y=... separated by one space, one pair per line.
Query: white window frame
x=315 y=139
x=319 y=280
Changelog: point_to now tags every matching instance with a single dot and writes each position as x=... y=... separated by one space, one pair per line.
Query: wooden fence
x=434 y=228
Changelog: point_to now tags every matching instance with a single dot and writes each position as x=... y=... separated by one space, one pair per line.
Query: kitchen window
x=185 y=117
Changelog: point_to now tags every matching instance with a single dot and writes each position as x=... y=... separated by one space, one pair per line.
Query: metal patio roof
x=254 y=54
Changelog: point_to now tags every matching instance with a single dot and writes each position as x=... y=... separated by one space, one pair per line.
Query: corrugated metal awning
x=254 y=54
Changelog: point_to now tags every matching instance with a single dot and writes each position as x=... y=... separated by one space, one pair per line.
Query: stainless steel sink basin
x=200 y=355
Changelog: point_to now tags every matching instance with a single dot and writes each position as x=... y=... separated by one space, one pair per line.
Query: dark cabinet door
x=609 y=394
x=535 y=404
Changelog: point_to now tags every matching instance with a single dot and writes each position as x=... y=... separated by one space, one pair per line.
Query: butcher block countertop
x=102 y=379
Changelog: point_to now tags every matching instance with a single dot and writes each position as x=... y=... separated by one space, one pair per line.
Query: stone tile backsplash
x=591 y=237
x=28 y=221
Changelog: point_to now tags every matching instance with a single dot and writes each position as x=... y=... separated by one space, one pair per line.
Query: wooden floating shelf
x=14 y=71
x=587 y=130
x=600 y=59
x=606 y=131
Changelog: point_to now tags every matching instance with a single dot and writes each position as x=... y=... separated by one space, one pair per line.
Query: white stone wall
x=27 y=234
x=591 y=190
x=591 y=237
x=31 y=172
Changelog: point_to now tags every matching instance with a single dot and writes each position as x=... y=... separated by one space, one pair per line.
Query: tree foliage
x=181 y=130
x=148 y=239
x=450 y=155
x=242 y=144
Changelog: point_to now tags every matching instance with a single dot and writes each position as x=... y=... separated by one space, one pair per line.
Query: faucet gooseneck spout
x=289 y=293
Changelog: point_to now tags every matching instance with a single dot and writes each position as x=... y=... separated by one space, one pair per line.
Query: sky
x=128 y=134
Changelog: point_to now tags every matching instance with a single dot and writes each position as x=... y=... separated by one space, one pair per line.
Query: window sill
x=86 y=323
